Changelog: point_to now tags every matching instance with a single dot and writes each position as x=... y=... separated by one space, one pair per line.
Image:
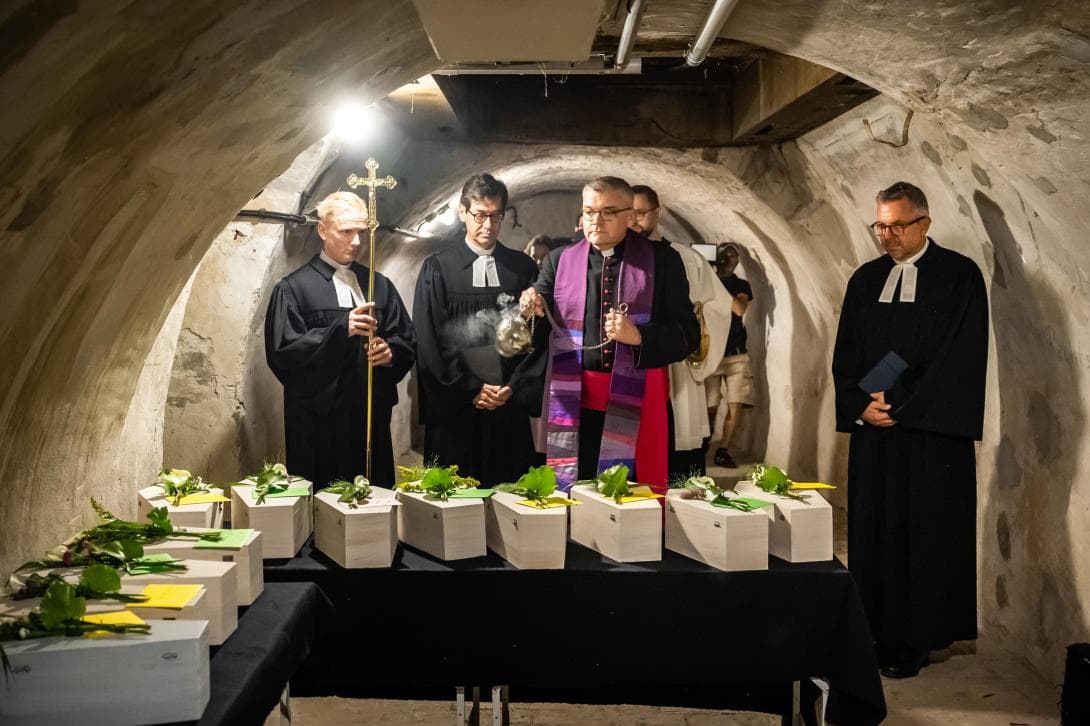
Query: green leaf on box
x=745 y=501
x=289 y=492
x=150 y=564
x=472 y=494
x=61 y=604
x=101 y=578
x=230 y=539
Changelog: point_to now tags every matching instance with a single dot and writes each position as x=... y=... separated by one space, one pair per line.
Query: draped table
x=593 y=629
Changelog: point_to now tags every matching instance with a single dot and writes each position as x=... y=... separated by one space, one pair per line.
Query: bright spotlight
x=352 y=122
x=447 y=216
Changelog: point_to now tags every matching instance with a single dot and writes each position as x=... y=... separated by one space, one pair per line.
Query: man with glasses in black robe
x=909 y=369
x=475 y=404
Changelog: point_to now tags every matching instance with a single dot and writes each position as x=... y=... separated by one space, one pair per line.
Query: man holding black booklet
x=909 y=367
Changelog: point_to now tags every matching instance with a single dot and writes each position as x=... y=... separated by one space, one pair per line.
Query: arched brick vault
x=133 y=133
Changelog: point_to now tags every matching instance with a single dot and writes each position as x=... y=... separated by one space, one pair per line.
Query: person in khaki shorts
x=734 y=372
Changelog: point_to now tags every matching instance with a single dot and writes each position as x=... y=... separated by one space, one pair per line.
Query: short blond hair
x=342 y=205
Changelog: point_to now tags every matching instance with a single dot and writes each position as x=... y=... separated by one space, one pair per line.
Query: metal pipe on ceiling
x=717 y=17
x=628 y=34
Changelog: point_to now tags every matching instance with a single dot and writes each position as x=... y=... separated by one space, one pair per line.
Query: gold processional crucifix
x=372 y=182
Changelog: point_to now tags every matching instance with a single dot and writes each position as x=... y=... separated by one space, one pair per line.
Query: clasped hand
x=876 y=413
x=491 y=397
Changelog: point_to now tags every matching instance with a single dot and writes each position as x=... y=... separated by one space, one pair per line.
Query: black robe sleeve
x=448 y=385
x=674 y=331
x=396 y=328
x=848 y=364
x=307 y=361
x=947 y=397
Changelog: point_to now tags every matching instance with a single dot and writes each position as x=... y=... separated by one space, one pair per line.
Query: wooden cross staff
x=372 y=182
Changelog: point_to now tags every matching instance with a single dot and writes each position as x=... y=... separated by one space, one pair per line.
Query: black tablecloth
x=285 y=626
x=426 y=622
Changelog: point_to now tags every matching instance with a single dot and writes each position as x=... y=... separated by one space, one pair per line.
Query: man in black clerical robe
x=475 y=404
x=912 y=468
x=317 y=330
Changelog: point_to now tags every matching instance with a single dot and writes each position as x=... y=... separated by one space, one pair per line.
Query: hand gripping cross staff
x=372 y=182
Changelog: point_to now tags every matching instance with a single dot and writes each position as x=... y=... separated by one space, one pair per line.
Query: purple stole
x=565 y=377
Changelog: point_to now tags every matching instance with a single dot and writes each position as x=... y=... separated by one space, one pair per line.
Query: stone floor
x=971 y=684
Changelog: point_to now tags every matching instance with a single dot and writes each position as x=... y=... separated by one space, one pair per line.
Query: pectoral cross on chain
x=372 y=182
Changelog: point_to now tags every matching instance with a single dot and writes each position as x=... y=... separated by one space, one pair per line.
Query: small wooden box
x=798 y=531
x=527 y=537
x=723 y=538
x=451 y=530
x=183 y=515
x=218 y=578
x=284 y=522
x=357 y=538
x=250 y=571
x=161 y=677
x=199 y=607
x=630 y=532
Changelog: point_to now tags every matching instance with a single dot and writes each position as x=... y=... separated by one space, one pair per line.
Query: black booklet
x=885 y=373
x=485 y=363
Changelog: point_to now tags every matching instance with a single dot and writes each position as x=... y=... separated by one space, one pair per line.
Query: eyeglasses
x=896 y=229
x=608 y=214
x=641 y=213
x=480 y=217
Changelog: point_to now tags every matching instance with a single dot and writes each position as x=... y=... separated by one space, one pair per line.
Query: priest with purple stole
x=614 y=311
x=909 y=367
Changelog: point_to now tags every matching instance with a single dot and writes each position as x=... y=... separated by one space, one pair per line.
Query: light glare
x=352 y=121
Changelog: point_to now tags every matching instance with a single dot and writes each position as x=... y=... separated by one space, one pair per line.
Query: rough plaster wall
x=551 y=213
x=139 y=446
x=217 y=370
x=117 y=172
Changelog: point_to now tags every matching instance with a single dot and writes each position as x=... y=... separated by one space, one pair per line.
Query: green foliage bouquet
x=61 y=612
x=97 y=582
x=272 y=479
x=434 y=481
x=612 y=482
x=537 y=485
x=773 y=480
x=178 y=483
x=706 y=489
x=353 y=493
x=116 y=542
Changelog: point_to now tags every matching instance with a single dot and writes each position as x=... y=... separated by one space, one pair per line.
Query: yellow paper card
x=174 y=597
x=121 y=617
x=203 y=498
x=640 y=494
x=811 y=485
x=548 y=503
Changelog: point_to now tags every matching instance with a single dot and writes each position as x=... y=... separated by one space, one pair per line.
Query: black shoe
x=906 y=664
x=723 y=458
